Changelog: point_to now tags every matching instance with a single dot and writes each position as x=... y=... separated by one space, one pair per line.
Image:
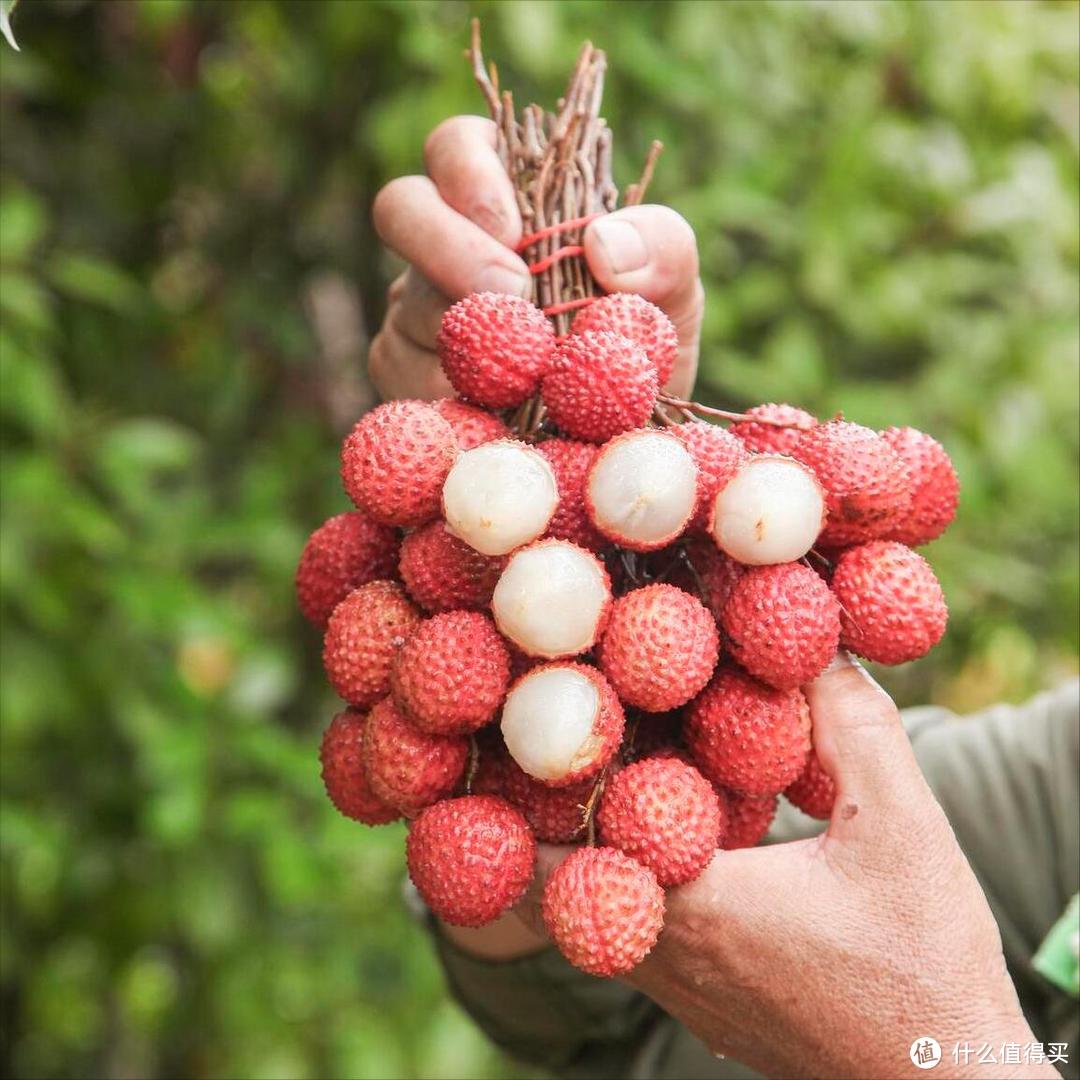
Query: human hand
x=457 y=226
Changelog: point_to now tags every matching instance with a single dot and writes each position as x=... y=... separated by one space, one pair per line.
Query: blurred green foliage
x=886 y=199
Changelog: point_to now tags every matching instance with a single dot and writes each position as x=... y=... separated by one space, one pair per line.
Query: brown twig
x=694 y=407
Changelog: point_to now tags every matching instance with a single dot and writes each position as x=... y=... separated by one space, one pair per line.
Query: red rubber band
x=552 y=230
x=554 y=257
x=570 y=305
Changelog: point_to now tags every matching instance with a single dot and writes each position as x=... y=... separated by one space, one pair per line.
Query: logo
x=925 y=1053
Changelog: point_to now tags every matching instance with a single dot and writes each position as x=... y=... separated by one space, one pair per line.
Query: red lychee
x=472 y=426
x=717 y=455
x=442 y=573
x=748 y=818
x=764 y=438
x=635 y=318
x=341 y=754
x=703 y=570
x=814 y=792
x=934 y=485
x=570 y=461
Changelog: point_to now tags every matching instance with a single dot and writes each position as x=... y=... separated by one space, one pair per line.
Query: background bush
x=886 y=199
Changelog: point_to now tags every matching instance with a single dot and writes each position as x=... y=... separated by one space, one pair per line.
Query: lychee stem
x=689 y=408
x=589 y=818
x=473 y=765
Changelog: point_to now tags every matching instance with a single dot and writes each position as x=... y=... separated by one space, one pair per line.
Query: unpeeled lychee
x=814 y=792
x=662 y=812
x=892 y=607
x=747 y=736
x=773 y=438
x=442 y=573
x=659 y=648
x=343 y=553
x=703 y=570
x=782 y=624
x=472 y=426
x=362 y=637
x=341 y=755
x=635 y=318
x=600 y=384
x=394 y=462
x=407 y=767
x=935 y=488
x=604 y=910
x=570 y=461
x=717 y=455
x=470 y=858
x=495 y=348
x=452 y=673
x=748 y=818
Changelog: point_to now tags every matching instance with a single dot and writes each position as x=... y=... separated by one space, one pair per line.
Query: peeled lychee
x=407 y=767
x=571 y=461
x=600 y=384
x=341 y=754
x=552 y=599
x=659 y=648
x=770 y=512
x=641 y=491
x=935 y=487
x=395 y=460
x=782 y=624
x=662 y=812
x=892 y=607
x=562 y=722
x=604 y=910
x=765 y=438
x=748 y=818
x=633 y=317
x=362 y=637
x=471 y=858
x=452 y=673
x=442 y=573
x=499 y=496
x=717 y=455
x=343 y=553
x=867 y=489
x=495 y=348
x=747 y=736
x=472 y=426
x=814 y=792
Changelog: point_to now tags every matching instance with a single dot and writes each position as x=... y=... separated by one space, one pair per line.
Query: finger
x=528 y=908
x=399 y=368
x=460 y=158
x=418 y=309
x=454 y=254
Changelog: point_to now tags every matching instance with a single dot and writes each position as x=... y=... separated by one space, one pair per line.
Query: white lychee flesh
x=551 y=598
x=499 y=496
x=771 y=511
x=548 y=722
x=642 y=489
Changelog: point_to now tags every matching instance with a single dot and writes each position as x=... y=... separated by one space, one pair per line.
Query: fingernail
x=623 y=246
x=502 y=279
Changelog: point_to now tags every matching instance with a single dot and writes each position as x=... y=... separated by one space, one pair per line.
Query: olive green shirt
x=1008 y=781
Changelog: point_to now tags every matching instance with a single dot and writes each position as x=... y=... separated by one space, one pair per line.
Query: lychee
x=604 y=910
x=562 y=722
x=867 y=489
x=782 y=624
x=659 y=648
x=748 y=736
x=472 y=426
x=470 y=858
x=452 y=673
x=662 y=812
x=814 y=792
x=600 y=384
x=892 y=607
x=552 y=599
x=442 y=573
x=495 y=348
x=641 y=491
x=343 y=553
x=653 y=733
x=571 y=461
x=394 y=462
x=748 y=818
x=499 y=496
x=341 y=755
x=935 y=487
x=703 y=570
x=771 y=511
x=407 y=767
x=773 y=438
x=633 y=317
x=362 y=637
x=717 y=455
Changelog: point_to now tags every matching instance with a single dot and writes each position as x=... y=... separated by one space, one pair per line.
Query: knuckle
x=390 y=199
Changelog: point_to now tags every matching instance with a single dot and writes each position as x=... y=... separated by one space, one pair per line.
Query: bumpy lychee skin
x=747 y=736
x=935 y=487
x=604 y=910
x=343 y=553
x=394 y=462
x=600 y=384
x=442 y=573
x=892 y=607
x=452 y=673
x=471 y=858
x=664 y=813
x=407 y=767
x=570 y=461
x=764 y=438
x=867 y=488
x=495 y=348
x=562 y=723
x=717 y=455
x=362 y=637
x=341 y=755
x=704 y=571
x=472 y=426
x=635 y=318
x=814 y=792
x=782 y=624
x=748 y=818
x=660 y=647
